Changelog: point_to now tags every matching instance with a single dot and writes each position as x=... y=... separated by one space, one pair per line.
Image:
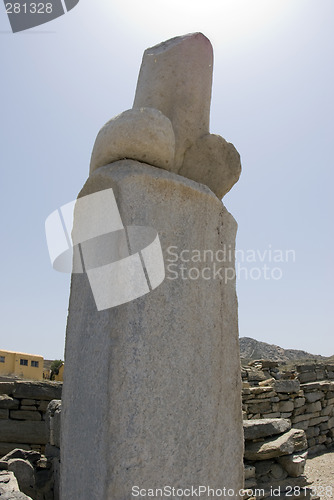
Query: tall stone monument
x=152 y=395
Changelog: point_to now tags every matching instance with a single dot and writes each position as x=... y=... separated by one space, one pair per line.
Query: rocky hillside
x=254 y=349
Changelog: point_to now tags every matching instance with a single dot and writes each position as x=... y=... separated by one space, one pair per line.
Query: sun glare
x=223 y=21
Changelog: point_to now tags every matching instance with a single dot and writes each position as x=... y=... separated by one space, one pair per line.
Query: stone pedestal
x=152 y=389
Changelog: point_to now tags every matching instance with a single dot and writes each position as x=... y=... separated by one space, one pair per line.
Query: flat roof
x=22 y=353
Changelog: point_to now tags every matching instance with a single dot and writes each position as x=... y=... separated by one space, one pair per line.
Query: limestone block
x=317 y=420
x=15 y=431
x=286 y=444
x=305 y=368
x=312 y=432
x=331 y=422
x=321 y=374
x=257 y=401
x=328 y=410
x=312 y=407
x=37 y=390
x=307 y=377
x=256 y=375
x=260 y=407
x=24 y=473
x=28 y=402
x=268 y=382
x=299 y=411
x=287 y=386
x=301 y=425
x=143 y=134
x=299 y=402
x=4 y=414
x=273 y=415
x=25 y=415
x=305 y=416
x=285 y=406
x=254 y=429
x=313 y=396
x=260 y=390
x=136 y=399
x=6 y=387
x=9 y=488
x=322 y=385
x=7 y=402
x=294 y=464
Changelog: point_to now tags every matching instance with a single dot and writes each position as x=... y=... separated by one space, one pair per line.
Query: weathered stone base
x=152 y=389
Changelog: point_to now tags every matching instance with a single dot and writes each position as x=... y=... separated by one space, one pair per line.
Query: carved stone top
x=168 y=126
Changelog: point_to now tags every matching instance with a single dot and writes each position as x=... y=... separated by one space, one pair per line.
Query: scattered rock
x=9 y=488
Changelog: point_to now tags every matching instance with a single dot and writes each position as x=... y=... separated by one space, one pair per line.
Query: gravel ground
x=320 y=470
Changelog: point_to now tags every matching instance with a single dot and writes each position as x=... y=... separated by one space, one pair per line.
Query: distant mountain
x=254 y=349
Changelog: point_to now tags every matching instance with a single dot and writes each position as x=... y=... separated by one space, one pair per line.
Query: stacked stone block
x=23 y=406
x=309 y=406
x=260 y=371
x=28 y=472
x=275 y=456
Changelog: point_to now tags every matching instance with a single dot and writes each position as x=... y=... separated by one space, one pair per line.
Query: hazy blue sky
x=272 y=97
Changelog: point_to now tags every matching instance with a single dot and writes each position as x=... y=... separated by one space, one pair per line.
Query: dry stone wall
x=23 y=406
x=258 y=371
x=309 y=404
x=275 y=457
x=29 y=473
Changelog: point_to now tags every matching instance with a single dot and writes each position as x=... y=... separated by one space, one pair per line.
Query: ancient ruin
x=152 y=387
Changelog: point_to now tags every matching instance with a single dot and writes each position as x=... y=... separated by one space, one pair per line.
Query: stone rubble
x=9 y=488
x=23 y=406
x=31 y=472
x=275 y=457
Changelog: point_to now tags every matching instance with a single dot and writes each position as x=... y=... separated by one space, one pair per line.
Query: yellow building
x=21 y=364
x=59 y=377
